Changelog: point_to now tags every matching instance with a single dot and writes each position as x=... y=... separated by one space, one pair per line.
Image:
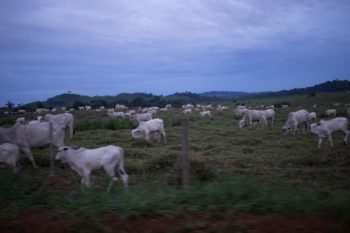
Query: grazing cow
x=120 y=106
x=144 y=130
x=9 y=154
x=269 y=115
x=326 y=128
x=21 y=120
x=140 y=117
x=35 y=135
x=84 y=161
x=63 y=119
x=295 y=119
x=221 y=108
x=188 y=106
x=187 y=111
x=113 y=114
x=205 y=113
x=331 y=112
x=207 y=107
x=253 y=115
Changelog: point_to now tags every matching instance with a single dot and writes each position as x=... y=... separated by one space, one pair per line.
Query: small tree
x=9 y=105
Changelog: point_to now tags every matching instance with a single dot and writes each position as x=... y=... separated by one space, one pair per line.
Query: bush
x=7 y=121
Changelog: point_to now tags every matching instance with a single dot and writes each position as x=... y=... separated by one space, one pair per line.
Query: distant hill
x=329 y=86
x=179 y=98
x=226 y=94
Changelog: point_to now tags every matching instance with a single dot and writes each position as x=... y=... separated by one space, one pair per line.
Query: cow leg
x=330 y=139
x=163 y=135
x=29 y=155
x=319 y=142
x=346 y=132
x=122 y=173
x=147 y=135
x=87 y=179
x=111 y=173
x=82 y=182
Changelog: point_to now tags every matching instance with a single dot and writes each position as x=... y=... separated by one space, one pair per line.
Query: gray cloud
x=153 y=45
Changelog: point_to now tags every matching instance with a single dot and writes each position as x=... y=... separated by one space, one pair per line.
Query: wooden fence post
x=51 y=150
x=185 y=163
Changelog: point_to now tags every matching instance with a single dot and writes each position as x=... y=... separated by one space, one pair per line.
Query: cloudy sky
x=48 y=47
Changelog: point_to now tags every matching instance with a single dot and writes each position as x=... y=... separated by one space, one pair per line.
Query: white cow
x=187 y=111
x=221 y=108
x=312 y=116
x=253 y=115
x=207 y=107
x=84 y=161
x=36 y=135
x=188 y=106
x=9 y=154
x=295 y=119
x=21 y=120
x=331 y=112
x=140 y=117
x=326 y=128
x=113 y=114
x=269 y=115
x=64 y=119
x=205 y=113
x=146 y=128
x=240 y=110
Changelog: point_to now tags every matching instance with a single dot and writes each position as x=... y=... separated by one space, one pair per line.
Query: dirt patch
x=36 y=222
x=256 y=223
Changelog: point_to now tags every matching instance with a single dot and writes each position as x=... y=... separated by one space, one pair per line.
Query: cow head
x=137 y=133
x=62 y=153
x=285 y=129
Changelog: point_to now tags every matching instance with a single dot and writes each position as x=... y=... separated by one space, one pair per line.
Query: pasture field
x=233 y=171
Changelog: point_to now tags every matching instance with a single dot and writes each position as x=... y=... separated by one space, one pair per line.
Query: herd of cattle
x=50 y=130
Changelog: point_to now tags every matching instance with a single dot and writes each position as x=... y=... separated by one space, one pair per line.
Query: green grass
x=228 y=193
x=233 y=169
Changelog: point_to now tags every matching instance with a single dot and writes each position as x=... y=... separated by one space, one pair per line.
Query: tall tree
x=9 y=105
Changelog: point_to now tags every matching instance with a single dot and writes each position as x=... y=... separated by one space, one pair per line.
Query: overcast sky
x=48 y=47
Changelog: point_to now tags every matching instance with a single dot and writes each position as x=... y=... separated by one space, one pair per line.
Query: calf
x=326 y=128
x=146 y=128
x=84 y=161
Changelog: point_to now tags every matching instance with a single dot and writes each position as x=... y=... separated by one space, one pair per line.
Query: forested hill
x=177 y=99
x=329 y=86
